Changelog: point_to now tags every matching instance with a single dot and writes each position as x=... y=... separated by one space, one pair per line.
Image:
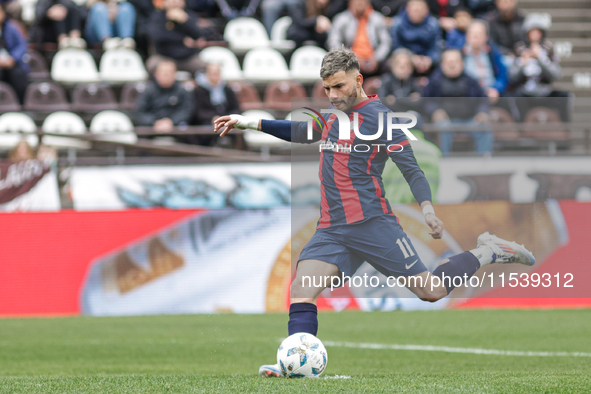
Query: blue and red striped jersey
x=351 y=169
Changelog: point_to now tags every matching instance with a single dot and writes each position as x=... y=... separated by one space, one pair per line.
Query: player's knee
x=432 y=295
x=300 y=288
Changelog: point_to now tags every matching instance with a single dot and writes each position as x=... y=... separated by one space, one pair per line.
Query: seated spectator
x=311 y=20
x=419 y=32
x=111 y=23
x=364 y=31
x=272 y=10
x=13 y=48
x=164 y=104
x=456 y=38
x=452 y=83
x=176 y=36
x=13 y=9
x=478 y=8
x=505 y=25
x=58 y=21
x=483 y=61
x=399 y=81
x=232 y=9
x=144 y=10
x=536 y=68
x=213 y=98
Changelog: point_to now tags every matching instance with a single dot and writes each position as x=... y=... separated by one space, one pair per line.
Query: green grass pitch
x=222 y=353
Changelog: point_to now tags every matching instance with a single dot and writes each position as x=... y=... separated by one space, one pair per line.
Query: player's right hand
x=224 y=123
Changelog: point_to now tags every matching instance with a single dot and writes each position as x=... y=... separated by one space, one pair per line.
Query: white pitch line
x=448 y=349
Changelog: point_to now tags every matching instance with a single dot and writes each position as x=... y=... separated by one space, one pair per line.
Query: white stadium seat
x=230 y=67
x=306 y=62
x=244 y=34
x=113 y=126
x=265 y=64
x=73 y=66
x=14 y=123
x=122 y=65
x=28 y=13
x=64 y=122
x=279 y=39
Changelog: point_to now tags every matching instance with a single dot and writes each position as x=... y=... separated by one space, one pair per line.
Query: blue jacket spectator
x=13 y=48
x=484 y=61
x=456 y=38
x=415 y=29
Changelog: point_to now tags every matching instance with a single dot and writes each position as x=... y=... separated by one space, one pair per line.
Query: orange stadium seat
x=279 y=94
x=247 y=95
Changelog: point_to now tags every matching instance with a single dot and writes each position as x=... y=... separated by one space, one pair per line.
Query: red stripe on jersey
x=343 y=182
x=375 y=181
x=370 y=98
x=324 y=213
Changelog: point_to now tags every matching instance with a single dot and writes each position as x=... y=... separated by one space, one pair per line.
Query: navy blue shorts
x=379 y=240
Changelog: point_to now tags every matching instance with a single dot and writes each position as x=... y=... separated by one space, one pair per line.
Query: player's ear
x=359 y=80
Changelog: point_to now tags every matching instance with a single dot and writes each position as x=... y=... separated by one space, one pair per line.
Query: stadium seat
x=46 y=96
x=28 y=10
x=305 y=63
x=73 y=66
x=93 y=97
x=247 y=95
x=8 y=100
x=502 y=116
x=113 y=126
x=371 y=85
x=543 y=115
x=14 y=123
x=230 y=67
x=265 y=64
x=38 y=65
x=130 y=93
x=64 y=122
x=122 y=65
x=283 y=95
x=244 y=34
x=279 y=33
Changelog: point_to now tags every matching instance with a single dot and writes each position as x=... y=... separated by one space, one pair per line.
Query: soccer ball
x=302 y=355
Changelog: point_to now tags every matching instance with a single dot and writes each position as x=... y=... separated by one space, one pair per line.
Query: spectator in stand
x=176 y=36
x=13 y=9
x=111 y=23
x=505 y=26
x=58 y=21
x=232 y=9
x=399 y=82
x=311 y=20
x=483 y=61
x=536 y=68
x=13 y=48
x=213 y=98
x=456 y=38
x=272 y=10
x=418 y=31
x=364 y=31
x=165 y=103
x=464 y=103
x=144 y=10
x=478 y=8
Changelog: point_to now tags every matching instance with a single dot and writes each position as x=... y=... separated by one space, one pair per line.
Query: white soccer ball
x=302 y=355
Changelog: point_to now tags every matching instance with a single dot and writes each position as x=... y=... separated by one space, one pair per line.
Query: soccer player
x=356 y=222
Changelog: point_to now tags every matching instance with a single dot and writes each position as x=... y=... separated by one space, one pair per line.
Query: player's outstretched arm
x=283 y=129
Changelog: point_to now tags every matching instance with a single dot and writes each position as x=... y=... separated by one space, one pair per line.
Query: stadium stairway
x=571 y=35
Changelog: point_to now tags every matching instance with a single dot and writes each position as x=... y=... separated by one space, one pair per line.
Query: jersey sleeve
x=401 y=153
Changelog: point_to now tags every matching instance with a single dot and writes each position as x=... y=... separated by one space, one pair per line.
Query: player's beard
x=345 y=103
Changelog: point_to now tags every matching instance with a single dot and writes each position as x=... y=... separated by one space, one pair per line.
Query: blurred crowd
x=485 y=49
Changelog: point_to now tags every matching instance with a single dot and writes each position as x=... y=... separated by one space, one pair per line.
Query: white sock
x=484 y=255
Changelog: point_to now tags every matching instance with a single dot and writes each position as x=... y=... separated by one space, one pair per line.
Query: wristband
x=428 y=209
x=245 y=122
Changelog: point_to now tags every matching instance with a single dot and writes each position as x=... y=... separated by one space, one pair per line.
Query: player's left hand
x=435 y=224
